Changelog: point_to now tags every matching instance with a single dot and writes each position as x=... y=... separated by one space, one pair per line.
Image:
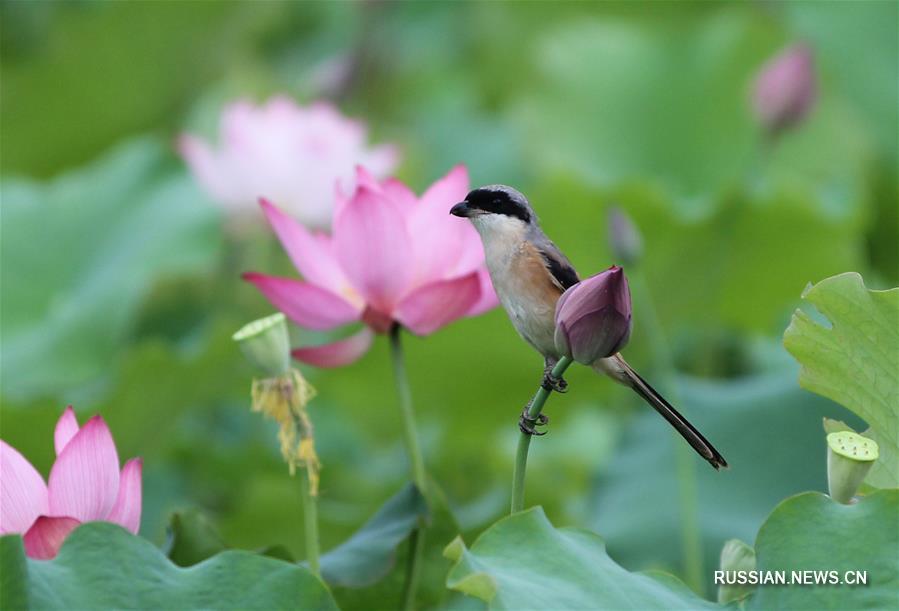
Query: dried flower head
x=284 y=399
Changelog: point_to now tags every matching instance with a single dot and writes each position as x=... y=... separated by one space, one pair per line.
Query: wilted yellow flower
x=284 y=399
x=283 y=396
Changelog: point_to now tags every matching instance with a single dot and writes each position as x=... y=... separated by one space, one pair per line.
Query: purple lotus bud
x=624 y=237
x=785 y=89
x=593 y=317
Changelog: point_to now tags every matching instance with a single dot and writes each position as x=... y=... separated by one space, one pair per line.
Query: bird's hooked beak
x=461 y=209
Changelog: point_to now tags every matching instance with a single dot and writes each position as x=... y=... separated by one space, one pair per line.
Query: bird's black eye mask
x=497 y=202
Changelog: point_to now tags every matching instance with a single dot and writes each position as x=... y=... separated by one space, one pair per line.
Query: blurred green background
x=121 y=280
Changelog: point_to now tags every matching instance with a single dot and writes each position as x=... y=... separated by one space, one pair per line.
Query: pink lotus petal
x=364 y=178
x=307 y=305
x=46 y=536
x=444 y=247
x=66 y=427
x=209 y=169
x=317 y=265
x=84 y=481
x=23 y=493
x=126 y=510
x=381 y=160
x=400 y=193
x=488 y=299
x=336 y=354
x=451 y=188
x=434 y=305
x=374 y=248
x=292 y=154
x=342 y=195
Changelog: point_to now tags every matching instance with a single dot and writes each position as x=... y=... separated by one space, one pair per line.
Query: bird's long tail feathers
x=618 y=369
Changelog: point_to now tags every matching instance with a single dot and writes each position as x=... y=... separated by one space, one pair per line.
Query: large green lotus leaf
x=192 y=538
x=360 y=561
x=813 y=532
x=67 y=66
x=102 y=566
x=767 y=428
x=368 y=555
x=697 y=266
x=524 y=562
x=81 y=251
x=13 y=573
x=845 y=37
x=641 y=112
x=700 y=267
x=378 y=581
x=667 y=100
x=854 y=360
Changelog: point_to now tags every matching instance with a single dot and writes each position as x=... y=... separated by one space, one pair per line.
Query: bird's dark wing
x=558 y=265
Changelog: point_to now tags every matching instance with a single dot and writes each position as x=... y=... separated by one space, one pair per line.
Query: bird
x=529 y=274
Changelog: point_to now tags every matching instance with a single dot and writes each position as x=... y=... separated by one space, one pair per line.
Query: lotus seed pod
x=849 y=458
x=266 y=344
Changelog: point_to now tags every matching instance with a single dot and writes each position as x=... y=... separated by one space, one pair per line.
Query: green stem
x=413 y=448
x=524 y=441
x=413 y=568
x=406 y=410
x=691 y=540
x=310 y=522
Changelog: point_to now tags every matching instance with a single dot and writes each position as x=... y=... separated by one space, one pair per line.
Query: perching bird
x=529 y=274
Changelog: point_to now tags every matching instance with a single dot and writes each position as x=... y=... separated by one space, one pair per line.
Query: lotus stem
x=691 y=540
x=310 y=522
x=524 y=441
x=419 y=477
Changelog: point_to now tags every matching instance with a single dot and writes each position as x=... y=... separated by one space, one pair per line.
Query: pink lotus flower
x=393 y=258
x=290 y=153
x=84 y=486
x=785 y=89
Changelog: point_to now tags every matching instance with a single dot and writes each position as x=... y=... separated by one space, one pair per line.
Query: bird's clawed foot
x=526 y=424
x=551 y=383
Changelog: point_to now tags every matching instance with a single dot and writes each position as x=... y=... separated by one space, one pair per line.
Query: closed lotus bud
x=735 y=556
x=266 y=344
x=624 y=237
x=785 y=89
x=593 y=317
x=849 y=458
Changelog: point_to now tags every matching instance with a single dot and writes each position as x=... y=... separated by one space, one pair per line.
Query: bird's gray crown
x=500 y=199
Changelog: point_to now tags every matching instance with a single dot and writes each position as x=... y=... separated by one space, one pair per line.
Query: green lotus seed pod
x=849 y=458
x=266 y=344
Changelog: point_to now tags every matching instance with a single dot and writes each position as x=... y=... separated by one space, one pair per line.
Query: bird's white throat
x=501 y=234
